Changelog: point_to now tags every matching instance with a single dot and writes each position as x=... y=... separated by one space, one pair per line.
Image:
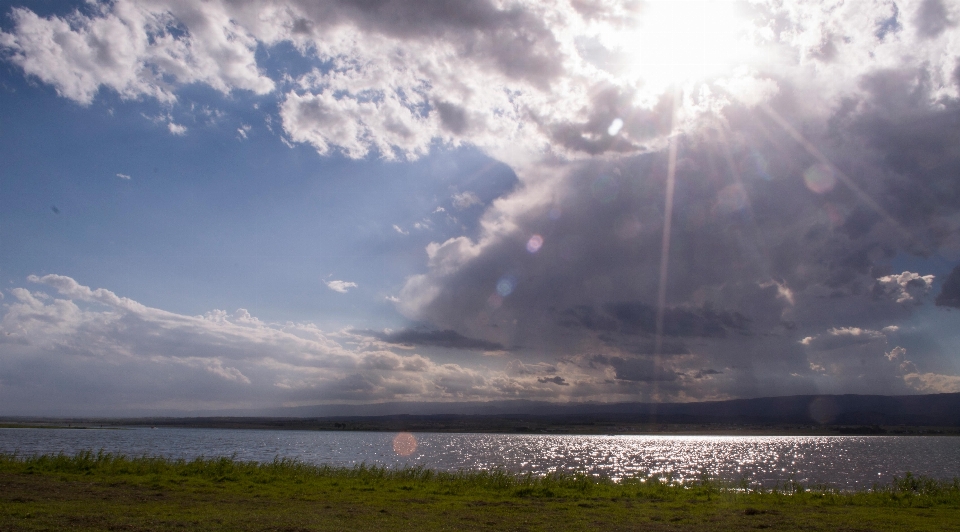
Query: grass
x=99 y=491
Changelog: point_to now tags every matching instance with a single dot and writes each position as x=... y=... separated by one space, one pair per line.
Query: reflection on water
x=841 y=461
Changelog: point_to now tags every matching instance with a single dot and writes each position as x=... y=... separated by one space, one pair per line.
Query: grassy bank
x=92 y=491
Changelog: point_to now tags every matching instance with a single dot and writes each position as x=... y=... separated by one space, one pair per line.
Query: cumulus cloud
x=933 y=382
x=85 y=350
x=906 y=287
x=133 y=48
x=800 y=173
x=340 y=286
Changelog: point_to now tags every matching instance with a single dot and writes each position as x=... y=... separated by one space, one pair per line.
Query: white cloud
x=400 y=230
x=933 y=382
x=176 y=129
x=92 y=351
x=340 y=286
x=896 y=353
x=464 y=200
x=907 y=286
x=131 y=47
x=123 y=176
x=839 y=337
x=529 y=77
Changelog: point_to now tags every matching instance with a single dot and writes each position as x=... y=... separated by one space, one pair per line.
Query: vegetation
x=99 y=491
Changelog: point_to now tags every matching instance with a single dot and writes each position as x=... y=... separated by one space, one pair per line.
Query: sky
x=235 y=205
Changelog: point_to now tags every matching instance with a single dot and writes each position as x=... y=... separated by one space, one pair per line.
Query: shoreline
x=484 y=425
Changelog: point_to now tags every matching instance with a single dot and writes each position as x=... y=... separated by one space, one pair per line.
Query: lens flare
x=820 y=178
x=615 y=127
x=506 y=285
x=404 y=444
x=535 y=243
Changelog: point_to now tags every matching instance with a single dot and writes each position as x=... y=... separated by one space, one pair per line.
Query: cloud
x=90 y=351
x=906 y=287
x=398 y=229
x=465 y=200
x=559 y=381
x=932 y=18
x=340 y=286
x=933 y=382
x=177 y=129
x=395 y=78
x=950 y=292
x=843 y=337
x=635 y=369
x=124 y=176
x=801 y=174
x=132 y=48
x=632 y=318
x=448 y=339
x=767 y=189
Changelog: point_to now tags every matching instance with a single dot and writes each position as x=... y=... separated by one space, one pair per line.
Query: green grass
x=98 y=491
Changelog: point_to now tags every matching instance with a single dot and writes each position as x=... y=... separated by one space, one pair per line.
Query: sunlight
x=679 y=41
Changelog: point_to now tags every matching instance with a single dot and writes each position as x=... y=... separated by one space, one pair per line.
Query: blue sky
x=287 y=203
x=216 y=217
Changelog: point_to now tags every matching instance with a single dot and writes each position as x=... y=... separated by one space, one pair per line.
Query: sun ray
x=667 y=223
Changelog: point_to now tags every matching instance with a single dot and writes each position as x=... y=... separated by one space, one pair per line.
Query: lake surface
x=845 y=462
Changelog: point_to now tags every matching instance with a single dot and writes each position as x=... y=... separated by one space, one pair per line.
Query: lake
x=845 y=462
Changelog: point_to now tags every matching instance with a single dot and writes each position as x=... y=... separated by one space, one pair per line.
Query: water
x=845 y=462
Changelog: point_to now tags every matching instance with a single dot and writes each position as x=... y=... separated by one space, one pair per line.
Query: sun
x=682 y=41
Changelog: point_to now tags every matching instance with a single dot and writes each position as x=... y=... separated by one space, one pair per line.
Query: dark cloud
x=515 y=41
x=447 y=338
x=635 y=369
x=632 y=318
x=932 y=18
x=769 y=243
x=706 y=373
x=560 y=381
x=454 y=118
x=950 y=292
